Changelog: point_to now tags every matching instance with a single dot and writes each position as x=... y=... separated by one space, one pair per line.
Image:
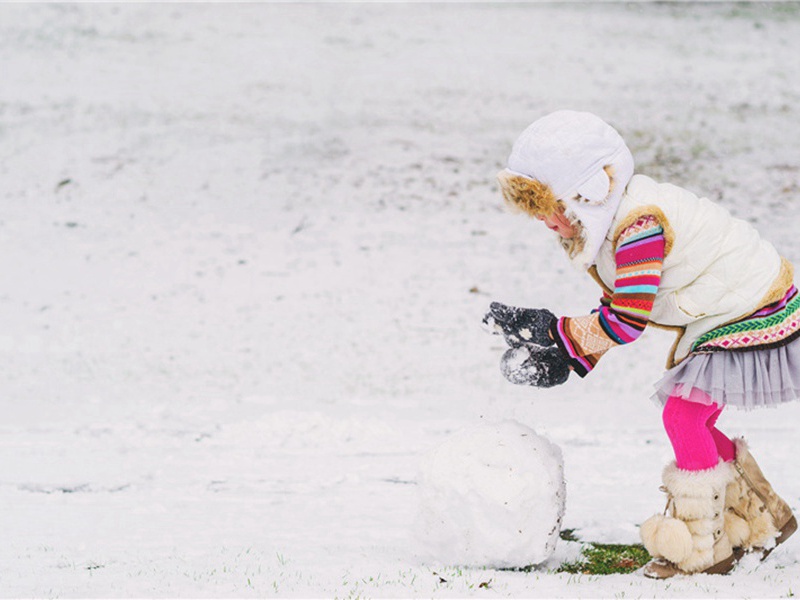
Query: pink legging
x=690 y=425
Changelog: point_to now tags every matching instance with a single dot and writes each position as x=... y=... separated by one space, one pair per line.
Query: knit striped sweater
x=623 y=316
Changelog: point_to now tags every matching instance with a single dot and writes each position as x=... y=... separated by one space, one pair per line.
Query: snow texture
x=246 y=249
x=492 y=496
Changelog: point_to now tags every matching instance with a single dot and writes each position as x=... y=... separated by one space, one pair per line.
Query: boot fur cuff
x=698 y=484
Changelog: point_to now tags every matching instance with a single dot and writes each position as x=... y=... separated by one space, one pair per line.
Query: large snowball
x=492 y=496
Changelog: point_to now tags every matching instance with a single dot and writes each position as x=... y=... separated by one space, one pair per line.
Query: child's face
x=560 y=224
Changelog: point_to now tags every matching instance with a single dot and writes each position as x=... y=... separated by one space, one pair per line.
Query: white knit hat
x=569 y=152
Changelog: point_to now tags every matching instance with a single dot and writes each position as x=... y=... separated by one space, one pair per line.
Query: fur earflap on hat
x=528 y=195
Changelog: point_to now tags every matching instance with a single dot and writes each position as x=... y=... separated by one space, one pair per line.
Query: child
x=667 y=258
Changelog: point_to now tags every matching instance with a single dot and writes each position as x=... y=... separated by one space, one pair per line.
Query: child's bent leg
x=725 y=446
x=689 y=428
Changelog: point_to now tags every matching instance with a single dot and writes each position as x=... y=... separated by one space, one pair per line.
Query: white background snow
x=245 y=253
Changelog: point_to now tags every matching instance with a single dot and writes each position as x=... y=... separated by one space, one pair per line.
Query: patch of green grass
x=607 y=559
x=763 y=10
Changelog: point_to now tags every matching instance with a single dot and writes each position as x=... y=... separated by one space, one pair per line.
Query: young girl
x=667 y=258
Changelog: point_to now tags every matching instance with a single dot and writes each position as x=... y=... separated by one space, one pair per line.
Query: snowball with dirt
x=492 y=496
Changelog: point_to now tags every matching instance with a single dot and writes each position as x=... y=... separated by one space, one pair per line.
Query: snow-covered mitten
x=520 y=326
x=539 y=367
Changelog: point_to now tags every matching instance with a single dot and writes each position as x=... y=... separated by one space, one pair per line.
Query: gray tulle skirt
x=742 y=379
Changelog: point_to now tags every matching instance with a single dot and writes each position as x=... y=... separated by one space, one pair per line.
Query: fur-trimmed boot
x=756 y=518
x=690 y=537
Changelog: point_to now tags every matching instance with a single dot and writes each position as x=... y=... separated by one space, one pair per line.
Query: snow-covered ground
x=245 y=253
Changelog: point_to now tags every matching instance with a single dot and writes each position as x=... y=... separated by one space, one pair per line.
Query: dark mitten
x=520 y=326
x=539 y=367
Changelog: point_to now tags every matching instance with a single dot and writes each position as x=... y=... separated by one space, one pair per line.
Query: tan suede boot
x=690 y=537
x=756 y=518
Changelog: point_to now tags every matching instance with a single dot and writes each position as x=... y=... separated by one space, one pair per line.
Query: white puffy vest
x=717 y=268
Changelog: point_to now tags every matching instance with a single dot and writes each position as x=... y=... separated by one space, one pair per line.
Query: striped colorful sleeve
x=622 y=318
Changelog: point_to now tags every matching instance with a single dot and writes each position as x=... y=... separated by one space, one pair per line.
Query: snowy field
x=245 y=252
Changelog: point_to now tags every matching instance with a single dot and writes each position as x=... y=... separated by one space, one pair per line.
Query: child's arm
x=639 y=256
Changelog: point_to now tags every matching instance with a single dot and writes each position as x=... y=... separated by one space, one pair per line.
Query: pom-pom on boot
x=690 y=537
x=756 y=518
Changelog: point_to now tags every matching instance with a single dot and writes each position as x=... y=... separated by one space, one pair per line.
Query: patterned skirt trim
x=771 y=327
